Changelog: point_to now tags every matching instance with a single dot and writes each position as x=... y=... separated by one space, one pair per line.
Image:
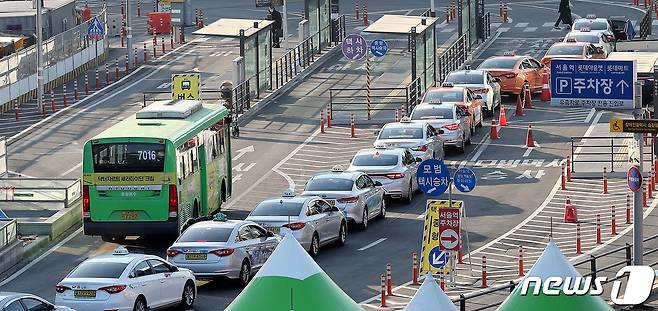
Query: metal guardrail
x=594 y=270
x=65 y=191
x=603 y=149
x=7 y=232
x=645 y=24
x=347 y=101
x=292 y=62
x=456 y=55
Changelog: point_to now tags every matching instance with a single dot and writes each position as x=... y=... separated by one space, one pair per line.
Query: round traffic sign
x=437 y=257
x=354 y=47
x=449 y=239
x=433 y=177
x=378 y=47
x=634 y=179
x=465 y=179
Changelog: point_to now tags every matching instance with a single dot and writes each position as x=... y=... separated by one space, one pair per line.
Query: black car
x=618 y=24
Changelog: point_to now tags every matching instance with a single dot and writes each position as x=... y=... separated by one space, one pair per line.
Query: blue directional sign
x=378 y=47
x=438 y=258
x=96 y=27
x=464 y=179
x=433 y=177
x=593 y=83
x=634 y=179
x=354 y=47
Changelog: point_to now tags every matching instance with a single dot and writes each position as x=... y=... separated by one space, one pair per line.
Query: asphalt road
x=280 y=129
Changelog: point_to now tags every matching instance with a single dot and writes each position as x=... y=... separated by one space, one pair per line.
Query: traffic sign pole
x=637 y=196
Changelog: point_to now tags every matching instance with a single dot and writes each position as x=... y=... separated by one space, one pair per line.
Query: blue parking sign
x=593 y=83
x=378 y=47
x=433 y=177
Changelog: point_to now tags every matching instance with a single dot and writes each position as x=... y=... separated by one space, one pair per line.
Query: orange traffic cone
x=545 y=88
x=502 y=116
x=530 y=140
x=570 y=212
x=493 y=133
x=528 y=99
x=519 y=107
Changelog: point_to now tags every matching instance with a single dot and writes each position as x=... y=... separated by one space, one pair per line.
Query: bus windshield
x=128 y=157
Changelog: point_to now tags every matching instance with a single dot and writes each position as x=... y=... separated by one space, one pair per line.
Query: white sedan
x=123 y=281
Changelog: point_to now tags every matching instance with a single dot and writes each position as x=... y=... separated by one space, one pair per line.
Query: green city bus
x=150 y=173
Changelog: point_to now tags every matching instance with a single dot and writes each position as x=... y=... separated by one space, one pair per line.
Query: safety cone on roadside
x=502 y=116
x=528 y=99
x=570 y=211
x=530 y=139
x=545 y=88
x=493 y=133
x=519 y=107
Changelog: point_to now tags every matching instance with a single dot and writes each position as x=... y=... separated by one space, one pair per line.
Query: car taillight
x=510 y=75
x=223 y=252
x=421 y=148
x=295 y=225
x=114 y=289
x=61 y=288
x=481 y=91
x=172 y=252
x=173 y=201
x=85 y=202
x=451 y=126
x=394 y=175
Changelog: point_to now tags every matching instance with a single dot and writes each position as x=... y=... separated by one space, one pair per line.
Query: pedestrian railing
x=65 y=191
x=241 y=99
x=598 y=264
x=608 y=150
x=375 y=103
x=7 y=232
x=646 y=24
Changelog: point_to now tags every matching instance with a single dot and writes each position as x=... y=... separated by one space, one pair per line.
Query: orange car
x=571 y=50
x=515 y=73
x=449 y=94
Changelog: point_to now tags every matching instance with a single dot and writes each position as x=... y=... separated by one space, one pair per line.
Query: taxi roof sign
x=447 y=84
x=120 y=251
x=220 y=217
x=186 y=86
x=405 y=120
x=337 y=168
x=288 y=194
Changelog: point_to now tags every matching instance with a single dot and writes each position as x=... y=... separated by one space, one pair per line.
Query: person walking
x=565 y=14
x=277 y=30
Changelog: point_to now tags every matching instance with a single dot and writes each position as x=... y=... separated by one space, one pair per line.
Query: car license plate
x=128 y=215
x=84 y=294
x=332 y=202
x=196 y=256
x=275 y=230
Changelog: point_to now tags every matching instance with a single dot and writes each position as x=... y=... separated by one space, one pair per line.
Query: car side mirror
x=50 y=307
x=378 y=183
x=269 y=234
x=440 y=131
x=541 y=65
x=497 y=80
x=418 y=160
x=335 y=209
x=132 y=275
x=478 y=96
x=173 y=269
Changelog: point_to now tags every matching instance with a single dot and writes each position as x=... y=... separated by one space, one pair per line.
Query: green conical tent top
x=430 y=296
x=291 y=281
x=552 y=263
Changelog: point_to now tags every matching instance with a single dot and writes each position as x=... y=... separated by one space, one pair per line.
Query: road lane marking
x=71 y=169
x=40 y=258
x=371 y=244
x=590 y=115
x=527 y=152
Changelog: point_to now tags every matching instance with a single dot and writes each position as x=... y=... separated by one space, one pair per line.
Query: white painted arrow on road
x=236 y=177
x=243 y=151
x=239 y=167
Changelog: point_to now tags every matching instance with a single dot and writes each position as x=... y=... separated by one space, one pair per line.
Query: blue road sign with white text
x=96 y=27
x=438 y=258
x=433 y=177
x=593 y=83
x=378 y=47
x=464 y=179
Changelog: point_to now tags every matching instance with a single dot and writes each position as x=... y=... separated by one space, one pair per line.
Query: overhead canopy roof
x=400 y=24
x=645 y=60
x=230 y=27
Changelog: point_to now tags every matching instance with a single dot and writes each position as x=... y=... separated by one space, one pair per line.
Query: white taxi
x=124 y=281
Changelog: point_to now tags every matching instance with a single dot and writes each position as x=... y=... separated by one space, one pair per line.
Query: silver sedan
x=451 y=118
x=313 y=221
x=10 y=301
x=422 y=138
x=223 y=248
x=354 y=193
x=394 y=168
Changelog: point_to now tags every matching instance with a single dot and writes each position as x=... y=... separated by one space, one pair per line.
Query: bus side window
x=181 y=165
x=222 y=145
